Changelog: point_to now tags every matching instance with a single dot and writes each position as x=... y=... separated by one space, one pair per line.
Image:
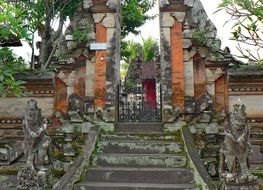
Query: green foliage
x=129 y=85
x=9 y=61
x=81 y=35
x=134 y=15
x=9 y=66
x=248 y=15
x=200 y=36
x=130 y=51
x=149 y=49
x=9 y=86
x=11 y=22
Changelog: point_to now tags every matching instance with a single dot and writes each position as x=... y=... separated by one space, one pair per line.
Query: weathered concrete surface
x=14 y=107
x=134 y=147
x=253 y=103
x=134 y=127
x=8 y=182
x=145 y=137
x=133 y=186
x=140 y=175
x=141 y=160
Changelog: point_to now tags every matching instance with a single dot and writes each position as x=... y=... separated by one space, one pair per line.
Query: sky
x=151 y=28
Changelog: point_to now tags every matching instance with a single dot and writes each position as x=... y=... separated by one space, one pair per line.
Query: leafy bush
x=9 y=66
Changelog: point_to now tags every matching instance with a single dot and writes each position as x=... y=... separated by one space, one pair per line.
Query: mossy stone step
x=140 y=147
x=140 y=175
x=132 y=186
x=142 y=137
x=139 y=127
x=140 y=160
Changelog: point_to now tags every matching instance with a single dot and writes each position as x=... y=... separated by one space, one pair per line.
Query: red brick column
x=100 y=67
x=177 y=65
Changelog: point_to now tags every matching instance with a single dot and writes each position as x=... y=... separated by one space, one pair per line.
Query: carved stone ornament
x=76 y=108
x=235 y=151
x=164 y=3
x=171 y=114
x=36 y=146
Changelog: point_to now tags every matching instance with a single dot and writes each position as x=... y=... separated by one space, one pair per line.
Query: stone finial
x=36 y=146
x=87 y=4
x=164 y=3
x=189 y=3
x=235 y=152
x=112 y=4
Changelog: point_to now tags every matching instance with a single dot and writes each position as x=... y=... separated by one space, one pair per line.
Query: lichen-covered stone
x=235 y=152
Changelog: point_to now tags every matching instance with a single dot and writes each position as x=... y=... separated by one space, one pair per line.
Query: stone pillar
x=188 y=69
x=199 y=75
x=166 y=22
x=108 y=31
x=172 y=64
x=177 y=63
x=90 y=75
x=211 y=76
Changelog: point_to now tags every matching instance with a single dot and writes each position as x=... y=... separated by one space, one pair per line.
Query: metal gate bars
x=139 y=102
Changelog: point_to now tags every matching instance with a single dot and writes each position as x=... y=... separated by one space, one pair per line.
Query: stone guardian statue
x=36 y=144
x=235 y=152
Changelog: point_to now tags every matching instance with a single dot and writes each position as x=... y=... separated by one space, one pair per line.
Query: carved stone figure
x=76 y=108
x=36 y=145
x=236 y=149
x=205 y=108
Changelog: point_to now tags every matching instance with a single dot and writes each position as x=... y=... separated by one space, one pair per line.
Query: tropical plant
x=149 y=49
x=248 y=29
x=11 y=23
x=130 y=51
x=40 y=17
x=134 y=15
x=9 y=66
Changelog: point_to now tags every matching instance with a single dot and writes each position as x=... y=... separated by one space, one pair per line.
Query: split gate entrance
x=140 y=101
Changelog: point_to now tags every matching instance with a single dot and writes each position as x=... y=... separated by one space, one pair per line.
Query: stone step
x=140 y=137
x=140 y=175
x=137 y=127
x=140 y=147
x=132 y=186
x=140 y=160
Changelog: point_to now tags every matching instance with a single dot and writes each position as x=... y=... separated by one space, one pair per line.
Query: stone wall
x=14 y=107
x=253 y=103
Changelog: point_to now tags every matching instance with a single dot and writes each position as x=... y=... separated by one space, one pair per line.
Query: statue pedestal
x=33 y=179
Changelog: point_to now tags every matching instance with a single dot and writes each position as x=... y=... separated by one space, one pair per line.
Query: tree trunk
x=46 y=44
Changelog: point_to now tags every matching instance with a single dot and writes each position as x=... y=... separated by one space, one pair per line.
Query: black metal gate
x=134 y=105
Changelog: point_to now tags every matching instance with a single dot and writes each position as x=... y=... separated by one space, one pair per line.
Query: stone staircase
x=136 y=159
